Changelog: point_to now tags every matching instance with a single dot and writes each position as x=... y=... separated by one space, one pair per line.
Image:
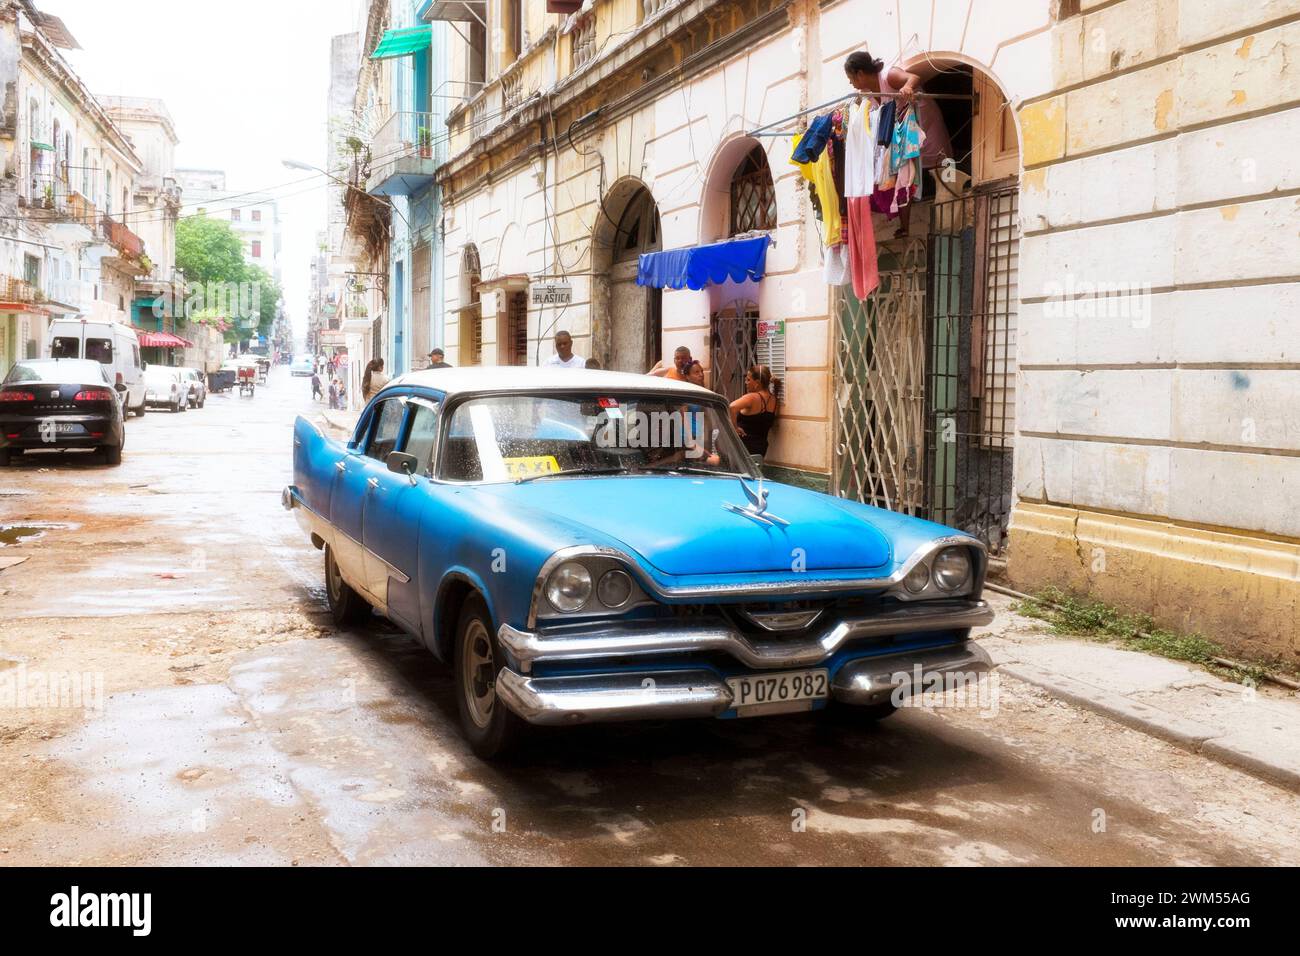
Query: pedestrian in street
x=437 y=359
x=373 y=380
x=564 y=356
x=677 y=371
x=593 y=364
x=316 y=392
x=334 y=395
x=755 y=411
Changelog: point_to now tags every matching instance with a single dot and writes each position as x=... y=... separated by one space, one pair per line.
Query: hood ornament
x=757 y=507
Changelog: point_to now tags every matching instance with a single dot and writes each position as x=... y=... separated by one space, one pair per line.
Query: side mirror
x=400 y=463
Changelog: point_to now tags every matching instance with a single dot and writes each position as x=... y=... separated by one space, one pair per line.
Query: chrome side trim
x=807 y=587
x=631 y=639
x=295 y=496
x=872 y=680
x=610 y=697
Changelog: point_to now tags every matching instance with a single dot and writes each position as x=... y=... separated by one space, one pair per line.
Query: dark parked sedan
x=58 y=404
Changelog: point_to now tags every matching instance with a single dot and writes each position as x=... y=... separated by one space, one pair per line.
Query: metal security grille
x=753 y=195
x=925 y=369
x=517 y=329
x=880 y=384
x=970 y=361
x=733 y=343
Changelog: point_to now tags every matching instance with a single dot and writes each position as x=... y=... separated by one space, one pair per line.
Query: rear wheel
x=113 y=454
x=5 y=454
x=491 y=728
x=347 y=606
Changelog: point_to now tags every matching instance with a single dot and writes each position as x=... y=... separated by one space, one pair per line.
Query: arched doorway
x=627 y=329
x=925 y=367
x=740 y=200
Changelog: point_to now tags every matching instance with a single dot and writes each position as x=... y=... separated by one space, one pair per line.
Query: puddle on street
x=11 y=534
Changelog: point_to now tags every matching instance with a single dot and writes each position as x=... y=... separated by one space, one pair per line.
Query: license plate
x=63 y=428
x=757 y=694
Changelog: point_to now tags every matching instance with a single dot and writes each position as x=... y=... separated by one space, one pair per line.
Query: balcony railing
x=403 y=135
x=121 y=238
x=584 y=40
x=19 y=290
x=512 y=90
x=652 y=7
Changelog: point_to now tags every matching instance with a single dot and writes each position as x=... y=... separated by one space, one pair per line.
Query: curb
x=1190 y=735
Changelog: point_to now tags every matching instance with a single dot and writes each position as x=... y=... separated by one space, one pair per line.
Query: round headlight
x=569 y=587
x=917 y=578
x=951 y=568
x=614 y=589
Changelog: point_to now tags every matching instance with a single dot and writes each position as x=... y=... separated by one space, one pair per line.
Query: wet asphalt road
x=237 y=725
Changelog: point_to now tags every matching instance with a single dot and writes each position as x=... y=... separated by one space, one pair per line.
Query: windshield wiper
x=696 y=470
x=572 y=471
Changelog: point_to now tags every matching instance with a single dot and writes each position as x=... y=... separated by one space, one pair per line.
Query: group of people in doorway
x=754 y=412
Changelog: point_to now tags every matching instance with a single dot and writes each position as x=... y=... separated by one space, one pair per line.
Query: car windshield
x=524 y=437
x=64 y=372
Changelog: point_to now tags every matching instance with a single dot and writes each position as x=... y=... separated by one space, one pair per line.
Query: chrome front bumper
x=652 y=694
x=631 y=639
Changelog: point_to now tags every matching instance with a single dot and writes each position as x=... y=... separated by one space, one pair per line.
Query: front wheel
x=347 y=606
x=491 y=728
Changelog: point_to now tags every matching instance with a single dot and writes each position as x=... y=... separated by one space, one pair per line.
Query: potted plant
x=49 y=197
x=426 y=142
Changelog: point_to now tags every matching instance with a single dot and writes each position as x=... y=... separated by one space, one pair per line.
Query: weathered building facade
x=1080 y=348
x=67 y=197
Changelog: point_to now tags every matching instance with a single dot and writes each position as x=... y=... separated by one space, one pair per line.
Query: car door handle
x=373 y=483
x=340 y=466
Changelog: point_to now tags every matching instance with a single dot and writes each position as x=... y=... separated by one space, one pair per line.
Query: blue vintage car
x=593 y=546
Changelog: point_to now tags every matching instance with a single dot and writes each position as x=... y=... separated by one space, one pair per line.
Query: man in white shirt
x=564 y=357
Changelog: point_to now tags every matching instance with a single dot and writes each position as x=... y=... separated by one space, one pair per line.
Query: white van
x=113 y=345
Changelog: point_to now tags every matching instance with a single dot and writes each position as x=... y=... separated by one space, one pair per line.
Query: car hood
x=681 y=527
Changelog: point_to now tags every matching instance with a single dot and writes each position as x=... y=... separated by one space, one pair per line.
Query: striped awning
x=162 y=340
x=404 y=42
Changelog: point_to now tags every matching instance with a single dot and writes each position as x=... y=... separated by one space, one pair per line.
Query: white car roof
x=526 y=378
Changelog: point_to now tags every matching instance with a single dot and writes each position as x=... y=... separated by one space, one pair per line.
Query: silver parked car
x=198 y=386
x=163 y=386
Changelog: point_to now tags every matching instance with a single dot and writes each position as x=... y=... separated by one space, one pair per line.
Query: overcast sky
x=246 y=83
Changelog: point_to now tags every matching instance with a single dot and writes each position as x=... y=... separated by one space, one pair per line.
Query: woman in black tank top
x=755 y=411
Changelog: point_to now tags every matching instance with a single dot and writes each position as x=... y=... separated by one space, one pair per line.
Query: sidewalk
x=340 y=419
x=1254 y=729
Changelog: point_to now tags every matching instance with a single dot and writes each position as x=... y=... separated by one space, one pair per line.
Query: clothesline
x=763 y=130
